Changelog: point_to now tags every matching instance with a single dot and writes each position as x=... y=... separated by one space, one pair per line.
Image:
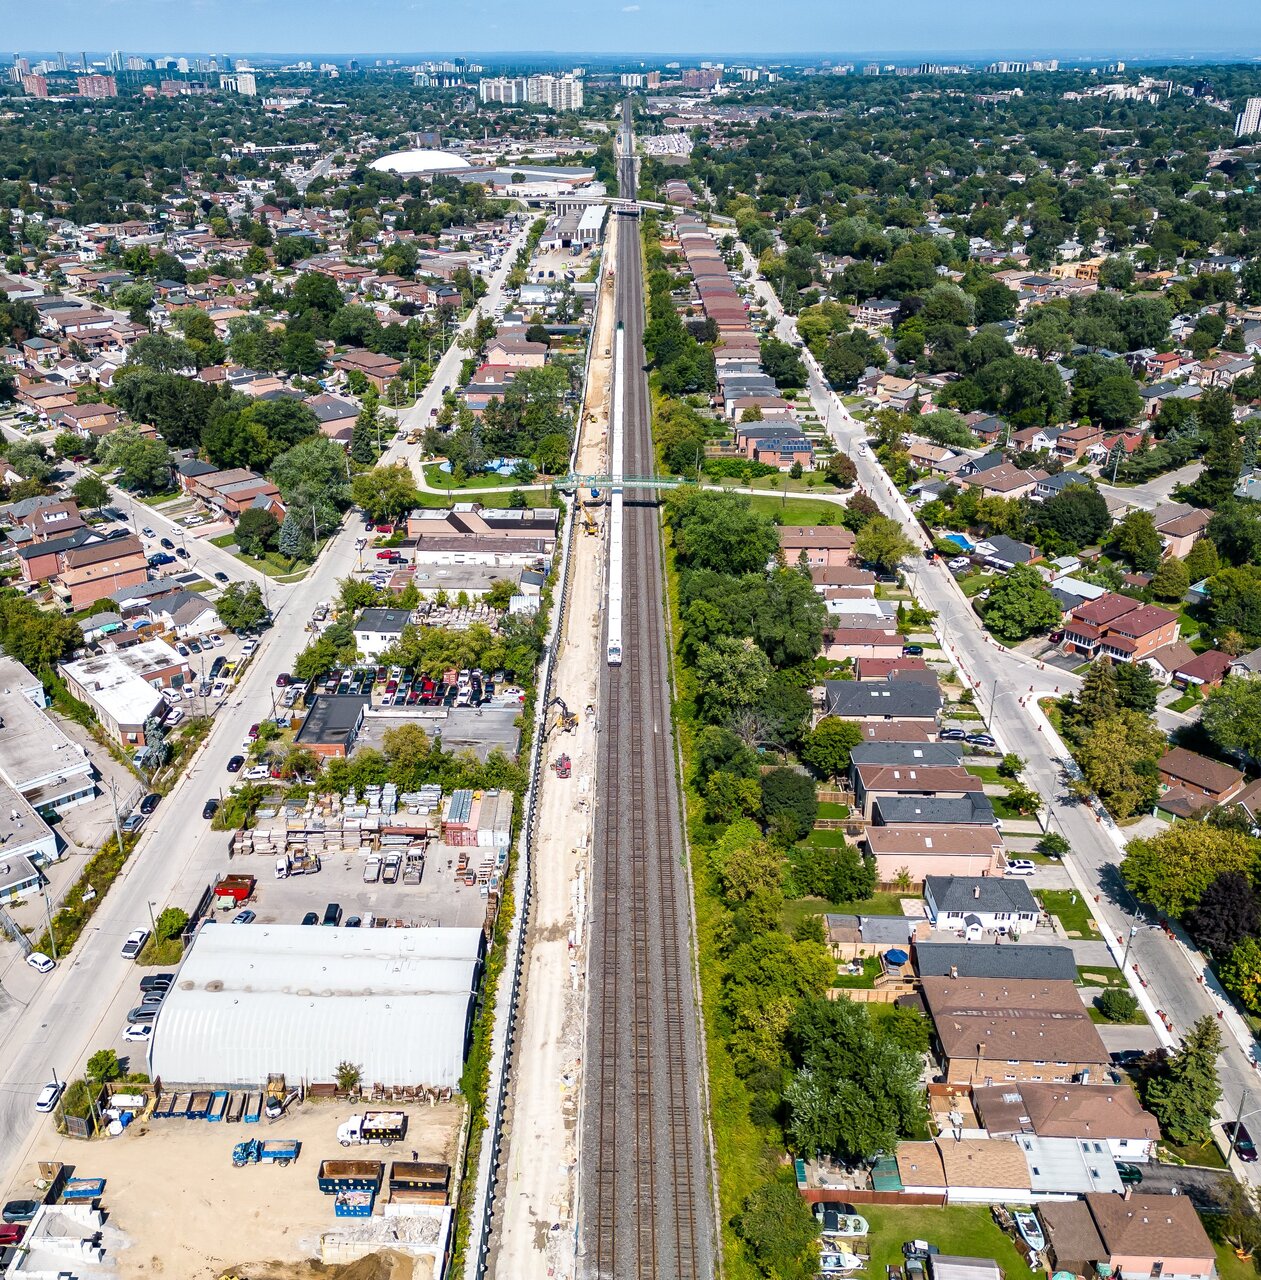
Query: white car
x=49 y=1096
x=217 y=640
x=40 y=962
x=248 y=647
x=256 y=773
x=1020 y=867
x=138 y=1031
x=959 y=562
x=221 y=687
x=135 y=940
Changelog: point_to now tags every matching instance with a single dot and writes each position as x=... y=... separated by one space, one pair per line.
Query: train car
x=617 y=474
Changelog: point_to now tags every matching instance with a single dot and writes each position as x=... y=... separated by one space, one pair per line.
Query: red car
x=282 y=680
x=385 y=555
x=386 y=529
x=11 y=1233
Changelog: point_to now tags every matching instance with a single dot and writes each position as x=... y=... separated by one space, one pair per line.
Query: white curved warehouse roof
x=419 y=162
x=254 y=999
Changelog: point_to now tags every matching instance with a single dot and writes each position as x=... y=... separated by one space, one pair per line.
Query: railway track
x=645 y=1165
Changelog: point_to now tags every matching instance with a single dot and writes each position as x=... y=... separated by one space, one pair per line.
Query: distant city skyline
x=646 y=28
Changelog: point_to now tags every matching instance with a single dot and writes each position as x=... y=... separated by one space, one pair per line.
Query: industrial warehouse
x=297 y=1000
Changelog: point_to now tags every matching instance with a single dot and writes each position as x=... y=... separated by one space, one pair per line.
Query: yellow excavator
x=565 y=720
x=588 y=520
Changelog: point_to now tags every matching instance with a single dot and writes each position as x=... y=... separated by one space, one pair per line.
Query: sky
x=1116 y=28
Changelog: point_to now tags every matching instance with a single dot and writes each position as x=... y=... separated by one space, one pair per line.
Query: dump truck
x=273 y=1151
x=350 y=1175
x=385 y=1127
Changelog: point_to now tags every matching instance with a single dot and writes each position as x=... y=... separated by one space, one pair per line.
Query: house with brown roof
x=53 y=520
x=1195 y=782
x=907 y=855
x=1111 y=1114
x=1180 y=526
x=861 y=644
x=1148 y=1234
x=994 y=1030
x=1124 y=629
x=870 y=782
x=1076 y=441
x=90 y=421
x=1002 y=481
x=1205 y=670
x=825 y=546
x=90 y=572
x=517 y=352
x=1167 y=659
x=965 y=1170
x=378 y=369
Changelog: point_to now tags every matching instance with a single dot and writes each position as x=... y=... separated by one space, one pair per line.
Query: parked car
x=220 y=688
x=1020 y=867
x=282 y=679
x=135 y=940
x=166 y=543
x=11 y=1234
x=148 y=533
x=210 y=808
x=1240 y=1140
x=256 y=773
x=959 y=562
x=980 y=740
x=1130 y=1174
x=244 y=917
x=235 y=764
x=217 y=640
x=21 y=1210
x=248 y=647
x=912 y=650
x=253 y=733
x=950 y=735
x=142 y=1013
x=150 y=802
x=49 y=1096
x=353 y=922
x=332 y=914
x=138 y=1032
x=310 y=918
x=156 y=981
x=40 y=962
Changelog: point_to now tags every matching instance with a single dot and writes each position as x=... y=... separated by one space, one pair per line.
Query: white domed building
x=410 y=164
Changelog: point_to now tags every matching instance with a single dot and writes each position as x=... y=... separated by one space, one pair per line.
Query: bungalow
x=1001 y=552
x=977 y=905
x=965 y=1171
x=1195 y=782
x=894 y=700
x=1247 y=665
x=945 y=782
x=1149 y=1234
x=861 y=644
x=1111 y=1114
x=1205 y=670
x=907 y=855
x=517 y=352
x=1168 y=659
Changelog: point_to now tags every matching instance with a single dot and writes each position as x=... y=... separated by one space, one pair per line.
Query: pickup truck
x=393 y=865
x=372 y=870
x=274 y=1151
x=385 y=1127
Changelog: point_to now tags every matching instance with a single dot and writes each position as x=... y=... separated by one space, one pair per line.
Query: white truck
x=385 y=1127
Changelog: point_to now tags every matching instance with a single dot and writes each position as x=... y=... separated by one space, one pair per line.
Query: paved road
x=1154 y=492
x=53 y=1023
x=1173 y=978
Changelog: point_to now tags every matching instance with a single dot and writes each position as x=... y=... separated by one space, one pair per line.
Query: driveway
x=1207 y=1188
x=1154 y=492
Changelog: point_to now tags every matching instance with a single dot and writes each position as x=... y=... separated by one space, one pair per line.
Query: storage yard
x=232 y=1217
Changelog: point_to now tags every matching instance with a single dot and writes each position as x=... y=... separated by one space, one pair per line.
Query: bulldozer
x=565 y=720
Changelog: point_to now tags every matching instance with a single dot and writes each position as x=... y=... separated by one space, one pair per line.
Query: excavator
x=566 y=721
x=588 y=520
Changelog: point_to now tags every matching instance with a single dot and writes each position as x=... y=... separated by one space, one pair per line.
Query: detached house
x=1120 y=627
x=830 y=546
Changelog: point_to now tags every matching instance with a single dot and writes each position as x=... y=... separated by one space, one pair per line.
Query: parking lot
x=160 y=1172
x=438 y=900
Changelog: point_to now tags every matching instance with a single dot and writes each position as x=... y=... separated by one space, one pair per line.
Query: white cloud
x=630 y=8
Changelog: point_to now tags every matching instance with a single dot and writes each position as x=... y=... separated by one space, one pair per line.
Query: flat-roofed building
x=37 y=759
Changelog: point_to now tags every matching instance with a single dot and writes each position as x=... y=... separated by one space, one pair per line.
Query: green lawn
x=157 y=499
x=975 y=583
x=1207 y=1156
x=828 y=809
x=986 y=772
x=493 y=498
x=795 y=512
x=1188 y=700
x=1073 y=915
x=440 y=479
x=883 y=904
x=867 y=979
x=1100 y=975
x=827 y=838
x=959 y=1230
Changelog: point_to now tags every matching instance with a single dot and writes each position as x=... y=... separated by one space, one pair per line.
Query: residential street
x=1008 y=686
x=54 y=1022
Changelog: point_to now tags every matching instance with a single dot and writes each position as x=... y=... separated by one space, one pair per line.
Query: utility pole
x=48 y=912
x=113 y=796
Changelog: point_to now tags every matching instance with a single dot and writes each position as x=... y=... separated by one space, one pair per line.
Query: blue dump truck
x=256 y=1151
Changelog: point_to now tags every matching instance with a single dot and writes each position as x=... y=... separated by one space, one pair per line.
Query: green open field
x=960 y=1230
